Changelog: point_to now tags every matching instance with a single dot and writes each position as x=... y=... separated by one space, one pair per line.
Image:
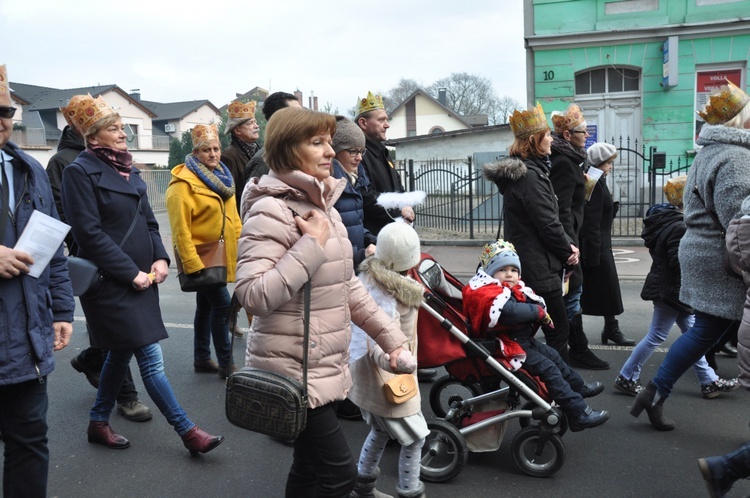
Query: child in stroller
x=500 y=306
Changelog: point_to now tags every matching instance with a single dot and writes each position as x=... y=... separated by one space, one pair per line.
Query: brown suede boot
x=365 y=487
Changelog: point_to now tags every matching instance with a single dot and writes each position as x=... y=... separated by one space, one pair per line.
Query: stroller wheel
x=446 y=390
x=526 y=422
x=536 y=457
x=444 y=453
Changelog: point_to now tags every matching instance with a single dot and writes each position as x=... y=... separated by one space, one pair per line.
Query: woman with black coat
x=106 y=204
x=531 y=219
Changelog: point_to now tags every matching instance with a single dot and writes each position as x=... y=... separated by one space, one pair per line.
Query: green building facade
x=638 y=69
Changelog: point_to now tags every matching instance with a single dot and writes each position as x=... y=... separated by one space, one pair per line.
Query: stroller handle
x=483 y=353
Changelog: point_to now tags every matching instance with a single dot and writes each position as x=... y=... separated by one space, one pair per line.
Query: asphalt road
x=624 y=457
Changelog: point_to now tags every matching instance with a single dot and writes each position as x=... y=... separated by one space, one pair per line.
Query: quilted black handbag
x=267 y=402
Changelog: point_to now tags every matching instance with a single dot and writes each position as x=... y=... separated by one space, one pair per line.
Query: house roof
x=426 y=95
x=175 y=110
x=44 y=98
x=436 y=136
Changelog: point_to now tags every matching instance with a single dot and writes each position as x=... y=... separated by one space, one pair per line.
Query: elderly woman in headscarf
x=201 y=207
x=105 y=202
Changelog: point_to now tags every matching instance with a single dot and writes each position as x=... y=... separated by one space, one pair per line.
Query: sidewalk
x=461 y=257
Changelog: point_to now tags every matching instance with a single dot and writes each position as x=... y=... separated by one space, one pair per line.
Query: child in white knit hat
x=384 y=275
x=501 y=307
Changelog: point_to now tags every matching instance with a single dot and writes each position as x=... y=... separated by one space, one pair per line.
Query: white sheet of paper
x=40 y=239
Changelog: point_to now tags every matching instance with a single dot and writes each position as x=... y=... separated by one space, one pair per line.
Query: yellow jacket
x=195 y=217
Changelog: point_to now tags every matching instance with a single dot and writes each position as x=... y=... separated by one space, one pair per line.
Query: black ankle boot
x=611 y=332
x=580 y=356
x=645 y=401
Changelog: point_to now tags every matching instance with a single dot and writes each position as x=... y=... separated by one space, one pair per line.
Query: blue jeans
x=688 y=349
x=665 y=316
x=323 y=464
x=212 y=320
x=23 y=423
x=151 y=365
x=573 y=301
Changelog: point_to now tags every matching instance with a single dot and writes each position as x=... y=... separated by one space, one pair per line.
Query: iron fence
x=157 y=181
x=460 y=203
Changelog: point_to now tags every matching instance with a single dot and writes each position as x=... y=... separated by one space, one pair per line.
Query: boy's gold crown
x=83 y=111
x=203 y=133
x=491 y=250
x=526 y=123
x=241 y=110
x=724 y=104
x=369 y=103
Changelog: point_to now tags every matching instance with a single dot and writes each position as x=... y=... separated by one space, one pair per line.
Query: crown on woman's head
x=4 y=88
x=724 y=104
x=83 y=111
x=369 y=103
x=526 y=123
x=241 y=110
x=203 y=133
x=491 y=250
x=566 y=121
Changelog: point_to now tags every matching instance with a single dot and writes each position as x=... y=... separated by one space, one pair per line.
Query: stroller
x=480 y=394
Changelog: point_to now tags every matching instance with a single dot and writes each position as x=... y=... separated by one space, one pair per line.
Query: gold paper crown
x=674 y=188
x=491 y=250
x=724 y=104
x=83 y=111
x=203 y=133
x=571 y=118
x=526 y=123
x=369 y=103
x=241 y=110
x=4 y=88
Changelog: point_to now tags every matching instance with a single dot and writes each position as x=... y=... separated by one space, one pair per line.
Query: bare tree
x=505 y=107
x=467 y=94
x=396 y=96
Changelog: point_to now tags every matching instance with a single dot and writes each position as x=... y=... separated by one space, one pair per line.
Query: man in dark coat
x=245 y=132
x=568 y=159
x=89 y=361
x=70 y=145
x=373 y=120
x=35 y=317
x=274 y=102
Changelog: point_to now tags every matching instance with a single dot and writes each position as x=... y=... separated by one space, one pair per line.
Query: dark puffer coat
x=68 y=148
x=350 y=207
x=532 y=222
x=663 y=228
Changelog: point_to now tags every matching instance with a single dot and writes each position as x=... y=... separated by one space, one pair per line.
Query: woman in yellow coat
x=202 y=208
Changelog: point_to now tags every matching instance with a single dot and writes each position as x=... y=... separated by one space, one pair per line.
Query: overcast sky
x=187 y=50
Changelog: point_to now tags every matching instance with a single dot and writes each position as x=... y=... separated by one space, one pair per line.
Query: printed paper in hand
x=40 y=239
x=593 y=177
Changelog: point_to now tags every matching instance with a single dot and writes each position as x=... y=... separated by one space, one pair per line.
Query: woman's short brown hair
x=528 y=147
x=100 y=125
x=287 y=129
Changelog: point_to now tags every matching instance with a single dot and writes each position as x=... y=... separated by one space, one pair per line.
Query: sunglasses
x=7 y=112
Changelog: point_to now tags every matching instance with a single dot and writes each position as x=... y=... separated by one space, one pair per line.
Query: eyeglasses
x=354 y=152
x=582 y=132
x=7 y=112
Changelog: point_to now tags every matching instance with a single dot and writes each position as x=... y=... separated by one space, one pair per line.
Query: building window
x=436 y=129
x=607 y=80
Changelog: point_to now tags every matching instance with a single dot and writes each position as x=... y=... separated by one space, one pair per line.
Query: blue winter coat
x=350 y=207
x=28 y=305
x=100 y=206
